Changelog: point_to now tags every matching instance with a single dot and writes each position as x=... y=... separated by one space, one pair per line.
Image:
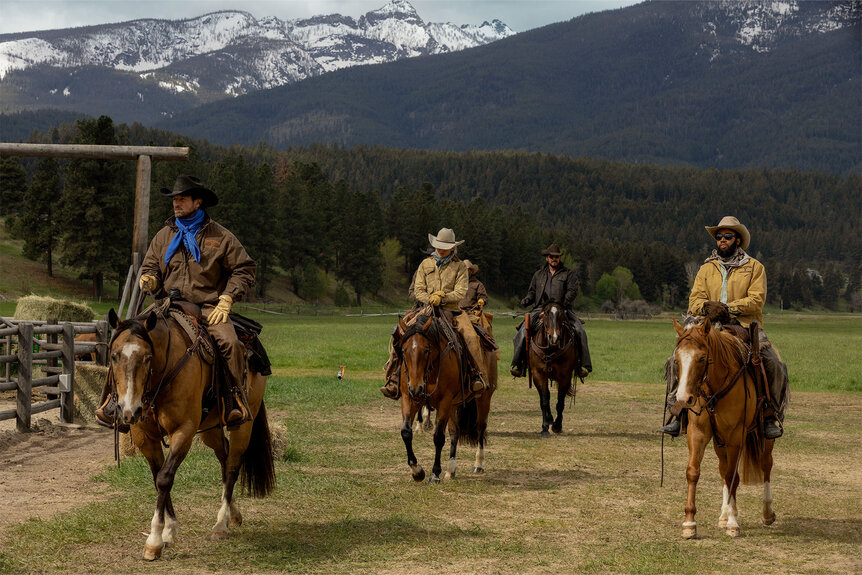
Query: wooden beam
x=163 y=153
x=142 y=207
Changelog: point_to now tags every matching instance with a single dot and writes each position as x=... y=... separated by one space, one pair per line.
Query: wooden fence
x=35 y=344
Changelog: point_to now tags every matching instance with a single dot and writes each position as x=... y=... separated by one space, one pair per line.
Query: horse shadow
x=533 y=480
x=836 y=530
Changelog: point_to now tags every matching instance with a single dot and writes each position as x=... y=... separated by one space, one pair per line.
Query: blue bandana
x=188 y=229
x=443 y=261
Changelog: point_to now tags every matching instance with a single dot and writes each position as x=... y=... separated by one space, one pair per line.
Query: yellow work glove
x=219 y=314
x=150 y=281
x=435 y=299
x=441 y=293
x=481 y=303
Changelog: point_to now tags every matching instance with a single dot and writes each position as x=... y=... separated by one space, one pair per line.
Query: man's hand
x=716 y=311
x=440 y=292
x=525 y=302
x=221 y=311
x=435 y=299
x=150 y=281
x=481 y=303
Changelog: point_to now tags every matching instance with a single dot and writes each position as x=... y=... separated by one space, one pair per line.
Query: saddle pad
x=191 y=329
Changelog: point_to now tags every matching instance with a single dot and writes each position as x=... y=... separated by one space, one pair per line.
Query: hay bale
x=38 y=308
x=89 y=380
x=279 y=439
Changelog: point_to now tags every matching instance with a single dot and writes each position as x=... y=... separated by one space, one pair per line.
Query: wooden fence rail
x=57 y=361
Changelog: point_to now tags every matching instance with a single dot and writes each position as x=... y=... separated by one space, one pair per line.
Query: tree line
x=362 y=217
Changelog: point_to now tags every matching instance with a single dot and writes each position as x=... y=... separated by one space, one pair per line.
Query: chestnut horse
x=431 y=376
x=552 y=355
x=717 y=389
x=161 y=382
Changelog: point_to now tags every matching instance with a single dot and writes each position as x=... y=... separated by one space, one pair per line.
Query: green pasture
x=587 y=501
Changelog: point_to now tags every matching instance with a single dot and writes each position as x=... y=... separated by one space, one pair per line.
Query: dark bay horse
x=719 y=392
x=552 y=355
x=161 y=381
x=431 y=377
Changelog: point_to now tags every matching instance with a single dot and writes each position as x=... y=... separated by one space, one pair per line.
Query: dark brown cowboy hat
x=552 y=250
x=192 y=186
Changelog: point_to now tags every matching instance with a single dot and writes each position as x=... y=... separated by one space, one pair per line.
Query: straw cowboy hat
x=731 y=223
x=191 y=186
x=552 y=250
x=445 y=239
x=471 y=267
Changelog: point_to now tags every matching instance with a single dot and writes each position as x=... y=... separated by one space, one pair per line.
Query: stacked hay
x=89 y=380
x=35 y=308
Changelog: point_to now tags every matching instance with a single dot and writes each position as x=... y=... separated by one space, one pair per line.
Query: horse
x=719 y=392
x=552 y=355
x=431 y=376
x=161 y=382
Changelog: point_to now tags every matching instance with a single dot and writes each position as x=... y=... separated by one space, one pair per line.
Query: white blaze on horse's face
x=691 y=362
x=553 y=327
x=130 y=361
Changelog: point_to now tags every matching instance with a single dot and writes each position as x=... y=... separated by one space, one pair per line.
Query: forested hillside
x=363 y=215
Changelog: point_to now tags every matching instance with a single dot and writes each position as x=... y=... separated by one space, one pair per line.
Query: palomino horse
x=431 y=376
x=717 y=388
x=552 y=356
x=160 y=383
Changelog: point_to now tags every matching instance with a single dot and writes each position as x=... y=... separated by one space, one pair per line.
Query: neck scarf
x=443 y=261
x=187 y=230
x=738 y=258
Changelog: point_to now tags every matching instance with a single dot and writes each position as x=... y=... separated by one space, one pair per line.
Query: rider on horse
x=210 y=268
x=730 y=287
x=442 y=281
x=553 y=282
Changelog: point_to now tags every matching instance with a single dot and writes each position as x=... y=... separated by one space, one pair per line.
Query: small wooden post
x=142 y=207
x=67 y=400
x=51 y=362
x=25 y=376
x=103 y=335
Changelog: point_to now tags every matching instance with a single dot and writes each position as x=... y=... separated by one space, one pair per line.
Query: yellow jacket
x=746 y=290
x=452 y=278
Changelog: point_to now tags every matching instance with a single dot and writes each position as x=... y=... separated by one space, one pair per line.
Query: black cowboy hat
x=552 y=250
x=192 y=186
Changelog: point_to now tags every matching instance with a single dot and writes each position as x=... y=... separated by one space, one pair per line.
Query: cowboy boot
x=674 y=426
x=107 y=415
x=392 y=389
x=517 y=369
x=477 y=382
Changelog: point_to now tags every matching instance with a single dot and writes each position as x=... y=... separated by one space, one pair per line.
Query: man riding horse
x=442 y=281
x=730 y=287
x=553 y=282
x=209 y=267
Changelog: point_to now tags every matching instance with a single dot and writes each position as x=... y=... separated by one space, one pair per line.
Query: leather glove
x=435 y=299
x=440 y=292
x=716 y=311
x=150 y=281
x=221 y=311
x=481 y=303
x=525 y=302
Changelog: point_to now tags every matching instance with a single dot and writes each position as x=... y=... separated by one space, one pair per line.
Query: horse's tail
x=752 y=454
x=257 y=471
x=468 y=423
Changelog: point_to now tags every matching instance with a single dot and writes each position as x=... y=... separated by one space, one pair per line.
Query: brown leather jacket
x=225 y=267
x=475 y=292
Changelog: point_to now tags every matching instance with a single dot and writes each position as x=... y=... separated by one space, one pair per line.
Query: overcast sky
x=520 y=15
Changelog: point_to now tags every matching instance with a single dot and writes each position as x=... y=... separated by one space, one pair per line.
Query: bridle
x=431 y=367
x=548 y=353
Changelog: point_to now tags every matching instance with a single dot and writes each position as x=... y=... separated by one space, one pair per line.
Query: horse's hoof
x=768 y=520
x=235 y=520
x=447 y=476
x=434 y=479
x=219 y=535
x=733 y=532
x=478 y=470
x=417 y=477
x=557 y=429
x=689 y=531
x=722 y=523
x=151 y=553
x=544 y=433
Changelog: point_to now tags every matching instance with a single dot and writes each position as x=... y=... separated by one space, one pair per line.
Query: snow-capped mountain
x=233 y=53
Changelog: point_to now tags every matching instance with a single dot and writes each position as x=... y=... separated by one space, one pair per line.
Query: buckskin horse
x=432 y=376
x=161 y=381
x=552 y=355
x=718 y=390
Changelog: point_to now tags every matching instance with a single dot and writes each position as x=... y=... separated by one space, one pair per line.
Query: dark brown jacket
x=475 y=292
x=225 y=267
x=564 y=287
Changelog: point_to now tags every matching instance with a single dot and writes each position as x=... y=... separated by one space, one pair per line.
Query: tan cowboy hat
x=552 y=250
x=471 y=267
x=731 y=223
x=445 y=239
x=191 y=186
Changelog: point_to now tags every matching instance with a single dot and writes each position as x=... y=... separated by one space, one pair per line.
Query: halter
x=549 y=352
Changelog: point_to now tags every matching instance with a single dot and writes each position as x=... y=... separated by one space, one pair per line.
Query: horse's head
x=418 y=350
x=553 y=320
x=131 y=353
x=691 y=359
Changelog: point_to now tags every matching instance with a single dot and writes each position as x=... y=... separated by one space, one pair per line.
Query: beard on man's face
x=728 y=251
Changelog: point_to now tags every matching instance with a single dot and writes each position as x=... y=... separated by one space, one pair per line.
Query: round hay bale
x=39 y=308
x=127 y=446
x=279 y=439
x=89 y=381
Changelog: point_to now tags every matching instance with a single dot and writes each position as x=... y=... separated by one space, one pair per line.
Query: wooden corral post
x=142 y=206
x=25 y=375
x=51 y=362
x=103 y=335
x=67 y=400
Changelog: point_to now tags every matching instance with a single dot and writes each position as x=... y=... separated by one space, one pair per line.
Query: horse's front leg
x=731 y=482
x=562 y=392
x=542 y=386
x=163 y=524
x=697 y=442
x=443 y=414
x=452 y=465
x=408 y=412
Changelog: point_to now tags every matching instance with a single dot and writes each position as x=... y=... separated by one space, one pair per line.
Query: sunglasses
x=724 y=236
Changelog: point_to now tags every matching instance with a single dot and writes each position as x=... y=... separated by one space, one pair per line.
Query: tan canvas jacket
x=746 y=290
x=452 y=278
x=225 y=267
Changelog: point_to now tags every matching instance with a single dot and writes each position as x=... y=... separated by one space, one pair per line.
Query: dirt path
x=48 y=471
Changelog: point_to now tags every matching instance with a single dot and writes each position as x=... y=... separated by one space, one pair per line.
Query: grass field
x=587 y=501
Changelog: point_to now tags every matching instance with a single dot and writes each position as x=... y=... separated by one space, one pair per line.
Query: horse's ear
x=151 y=321
x=113 y=319
x=402 y=325
x=427 y=323
x=679 y=329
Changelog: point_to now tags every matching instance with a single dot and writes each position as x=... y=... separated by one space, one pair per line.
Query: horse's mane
x=416 y=327
x=725 y=347
x=135 y=327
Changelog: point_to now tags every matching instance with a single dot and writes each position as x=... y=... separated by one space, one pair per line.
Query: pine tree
x=39 y=220
x=13 y=184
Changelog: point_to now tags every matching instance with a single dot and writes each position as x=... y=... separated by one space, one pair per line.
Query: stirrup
x=673 y=427
x=391 y=390
x=772 y=429
x=106 y=415
x=516 y=371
